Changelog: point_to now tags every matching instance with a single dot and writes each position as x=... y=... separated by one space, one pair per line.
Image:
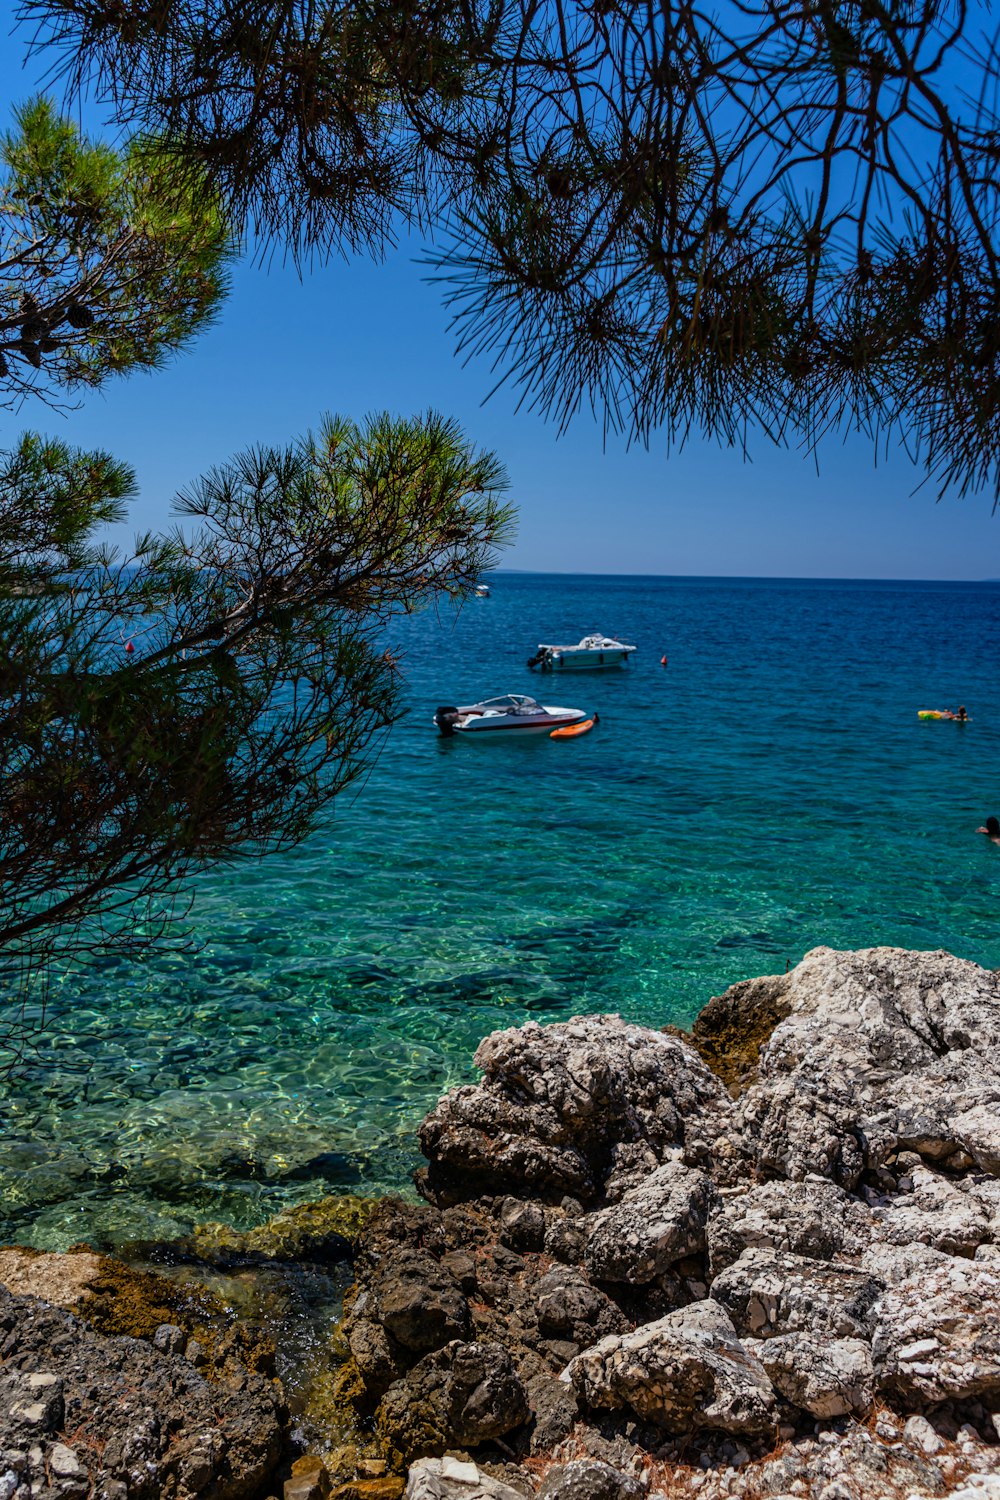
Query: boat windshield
x=513 y=703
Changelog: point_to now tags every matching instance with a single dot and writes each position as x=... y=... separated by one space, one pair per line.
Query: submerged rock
x=325 y=1230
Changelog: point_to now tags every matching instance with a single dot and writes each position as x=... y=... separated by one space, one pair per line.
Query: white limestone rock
x=826 y=1377
x=554 y=1101
x=816 y=1219
x=769 y=1292
x=881 y=1050
x=653 y=1226
x=936 y=1333
x=453 y=1479
x=687 y=1371
x=936 y=1211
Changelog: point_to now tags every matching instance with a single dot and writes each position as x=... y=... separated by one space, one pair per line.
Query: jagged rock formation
x=86 y=1414
x=632 y=1275
x=795 y=1290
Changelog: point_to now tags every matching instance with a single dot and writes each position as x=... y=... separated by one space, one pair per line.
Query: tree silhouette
x=774 y=218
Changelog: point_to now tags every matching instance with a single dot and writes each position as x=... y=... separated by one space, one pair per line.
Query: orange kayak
x=570 y=731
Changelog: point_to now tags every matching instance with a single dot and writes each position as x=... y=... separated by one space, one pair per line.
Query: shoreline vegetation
x=759 y=1259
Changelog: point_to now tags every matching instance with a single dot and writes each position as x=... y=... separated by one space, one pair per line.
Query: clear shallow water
x=771 y=789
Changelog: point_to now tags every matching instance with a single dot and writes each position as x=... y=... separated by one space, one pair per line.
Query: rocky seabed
x=632 y=1275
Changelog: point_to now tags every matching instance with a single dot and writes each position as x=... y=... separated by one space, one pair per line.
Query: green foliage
x=109 y=260
x=52 y=498
x=259 y=683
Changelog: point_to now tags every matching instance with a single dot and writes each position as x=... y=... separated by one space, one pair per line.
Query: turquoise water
x=770 y=789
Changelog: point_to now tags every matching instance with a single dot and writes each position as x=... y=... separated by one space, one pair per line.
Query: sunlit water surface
x=770 y=789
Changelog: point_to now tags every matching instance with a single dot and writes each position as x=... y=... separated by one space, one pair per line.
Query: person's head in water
x=963 y=715
x=992 y=827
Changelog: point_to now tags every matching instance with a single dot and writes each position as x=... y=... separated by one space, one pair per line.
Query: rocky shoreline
x=762 y=1260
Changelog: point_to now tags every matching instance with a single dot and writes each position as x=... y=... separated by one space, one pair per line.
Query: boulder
x=684 y=1372
x=879 y=1050
x=933 y=1210
x=654 y=1225
x=568 y=1307
x=937 y=1333
x=556 y=1100
x=554 y=1411
x=454 y=1479
x=114 y=1415
x=589 y=1481
x=418 y=1302
x=815 y=1219
x=822 y=1376
x=769 y=1292
x=459 y=1396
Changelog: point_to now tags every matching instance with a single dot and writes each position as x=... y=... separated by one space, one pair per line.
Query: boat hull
x=586 y=661
x=482 y=726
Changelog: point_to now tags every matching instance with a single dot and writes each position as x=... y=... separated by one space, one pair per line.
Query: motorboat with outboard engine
x=590 y=654
x=482 y=591
x=514 y=713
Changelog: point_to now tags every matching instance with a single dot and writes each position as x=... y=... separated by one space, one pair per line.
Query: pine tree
x=767 y=220
x=204 y=698
x=110 y=260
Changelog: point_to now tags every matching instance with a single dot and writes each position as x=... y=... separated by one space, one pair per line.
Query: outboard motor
x=445 y=718
x=538 y=657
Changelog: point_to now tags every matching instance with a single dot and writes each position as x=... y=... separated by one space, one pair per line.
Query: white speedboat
x=514 y=713
x=588 y=655
x=482 y=591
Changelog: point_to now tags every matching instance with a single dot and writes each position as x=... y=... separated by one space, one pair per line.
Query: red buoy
x=129 y=648
x=663 y=661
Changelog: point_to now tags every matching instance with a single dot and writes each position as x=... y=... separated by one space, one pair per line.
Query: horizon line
x=744 y=577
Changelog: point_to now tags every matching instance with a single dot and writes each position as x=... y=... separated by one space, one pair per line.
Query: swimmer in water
x=992 y=829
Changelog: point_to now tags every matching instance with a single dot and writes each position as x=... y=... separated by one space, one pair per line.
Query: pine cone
x=33 y=329
x=79 y=316
x=31 y=352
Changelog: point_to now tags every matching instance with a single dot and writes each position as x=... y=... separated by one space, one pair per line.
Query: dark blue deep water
x=770 y=789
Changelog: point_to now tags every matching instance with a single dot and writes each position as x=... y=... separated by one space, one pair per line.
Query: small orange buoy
x=129 y=648
x=663 y=661
x=570 y=731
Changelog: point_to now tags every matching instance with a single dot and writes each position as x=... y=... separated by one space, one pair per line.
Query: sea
x=767 y=788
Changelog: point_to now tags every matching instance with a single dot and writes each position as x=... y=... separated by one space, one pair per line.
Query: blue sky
x=358 y=337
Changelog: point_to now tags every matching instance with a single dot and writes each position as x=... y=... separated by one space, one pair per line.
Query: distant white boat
x=482 y=591
x=515 y=713
x=591 y=654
